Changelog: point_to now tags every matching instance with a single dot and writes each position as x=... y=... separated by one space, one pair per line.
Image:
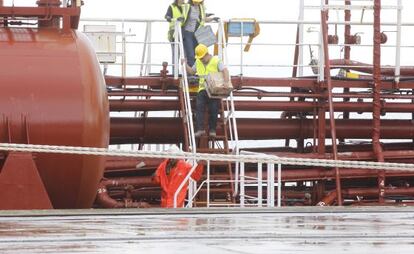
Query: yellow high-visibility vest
x=176 y=13
x=201 y=20
x=203 y=71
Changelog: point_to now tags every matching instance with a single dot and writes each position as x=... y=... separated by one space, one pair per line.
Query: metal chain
x=270 y=159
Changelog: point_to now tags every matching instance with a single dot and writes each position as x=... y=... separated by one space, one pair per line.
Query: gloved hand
x=217 y=19
x=181 y=19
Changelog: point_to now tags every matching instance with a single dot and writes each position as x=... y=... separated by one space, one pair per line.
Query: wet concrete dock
x=286 y=230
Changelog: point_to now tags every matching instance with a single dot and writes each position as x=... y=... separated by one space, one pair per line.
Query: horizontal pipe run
x=169 y=130
x=157 y=82
x=292 y=106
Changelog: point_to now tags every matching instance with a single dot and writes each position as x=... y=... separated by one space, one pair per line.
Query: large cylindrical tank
x=52 y=92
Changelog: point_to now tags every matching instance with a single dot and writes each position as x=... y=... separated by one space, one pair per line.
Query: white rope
x=201 y=156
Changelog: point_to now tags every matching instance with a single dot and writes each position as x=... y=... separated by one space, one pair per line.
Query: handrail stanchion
x=176 y=50
x=188 y=113
x=259 y=185
x=242 y=178
x=279 y=185
x=123 y=46
x=272 y=185
x=268 y=201
x=398 y=45
x=241 y=48
x=208 y=183
x=321 y=62
x=149 y=50
x=144 y=48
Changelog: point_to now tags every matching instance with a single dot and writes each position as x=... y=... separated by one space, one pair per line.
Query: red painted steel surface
x=52 y=92
x=20 y=184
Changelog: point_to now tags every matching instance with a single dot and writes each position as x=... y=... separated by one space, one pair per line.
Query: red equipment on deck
x=52 y=92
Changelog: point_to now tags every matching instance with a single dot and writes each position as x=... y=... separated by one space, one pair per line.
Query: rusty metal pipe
x=169 y=130
x=293 y=106
x=260 y=95
x=324 y=22
x=376 y=114
x=103 y=198
x=368 y=68
x=373 y=192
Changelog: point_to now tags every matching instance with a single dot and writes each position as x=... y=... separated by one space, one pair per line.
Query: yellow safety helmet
x=198 y=1
x=200 y=51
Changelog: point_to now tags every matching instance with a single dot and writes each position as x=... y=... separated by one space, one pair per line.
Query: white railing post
x=270 y=185
x=149 y=53
x=241 y=48
x=183 y=183
x=144 y=48
x=123 y=46
x=259 y=185
x=242 y=190
x=279 y=185
x=175 y=64
x=301 y=18
x=190 y=192
x=398 y=43
x=208 y=183
x=321 y=60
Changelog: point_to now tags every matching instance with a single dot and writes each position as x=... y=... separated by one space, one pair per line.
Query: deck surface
x=287 y=230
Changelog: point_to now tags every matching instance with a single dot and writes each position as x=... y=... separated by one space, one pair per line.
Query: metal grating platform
x=287 y=230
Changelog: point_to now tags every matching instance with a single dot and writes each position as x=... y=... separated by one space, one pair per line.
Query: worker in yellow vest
x=177 y=11
x=205 y=64
x=195 y=18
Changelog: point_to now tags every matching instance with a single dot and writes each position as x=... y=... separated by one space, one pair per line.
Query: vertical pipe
x=324 y=23
x=347 y=49
x=377 y=99
x=54 y=21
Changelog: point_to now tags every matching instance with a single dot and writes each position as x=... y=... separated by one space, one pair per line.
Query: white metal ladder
x=230 y=118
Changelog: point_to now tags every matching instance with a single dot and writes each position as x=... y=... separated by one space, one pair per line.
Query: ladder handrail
x=187 y=101
x=188 y=114
x=232 y=123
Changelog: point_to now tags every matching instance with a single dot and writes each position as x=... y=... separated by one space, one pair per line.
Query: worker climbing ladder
x=225 y=143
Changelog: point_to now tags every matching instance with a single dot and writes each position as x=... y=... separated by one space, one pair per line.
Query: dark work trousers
x=204 y=101
x=190 y=43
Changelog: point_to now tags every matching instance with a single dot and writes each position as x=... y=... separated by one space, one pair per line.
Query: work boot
x=212 y=134
x=199 y=133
